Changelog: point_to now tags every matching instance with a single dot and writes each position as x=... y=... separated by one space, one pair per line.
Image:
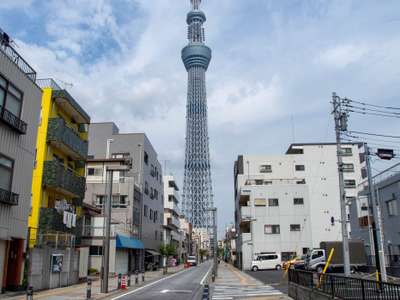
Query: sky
x=275 y=65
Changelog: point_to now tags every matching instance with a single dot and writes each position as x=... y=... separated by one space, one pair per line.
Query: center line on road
x=205 y=276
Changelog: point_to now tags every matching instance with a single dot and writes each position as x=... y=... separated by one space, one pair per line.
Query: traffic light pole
x=340 y=125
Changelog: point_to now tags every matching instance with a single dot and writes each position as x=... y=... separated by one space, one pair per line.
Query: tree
x=167 y=250
x=202 y=253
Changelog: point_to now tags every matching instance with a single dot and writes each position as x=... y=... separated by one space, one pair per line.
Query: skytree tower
x=197 y=189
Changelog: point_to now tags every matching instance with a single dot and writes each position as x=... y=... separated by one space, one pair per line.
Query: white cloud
x=13 y=4
x=342 y=55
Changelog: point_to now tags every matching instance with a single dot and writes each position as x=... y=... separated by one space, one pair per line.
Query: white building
x=285 y=203
x=171 y=233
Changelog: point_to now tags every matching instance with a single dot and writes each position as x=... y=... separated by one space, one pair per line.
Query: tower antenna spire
x=195 y=3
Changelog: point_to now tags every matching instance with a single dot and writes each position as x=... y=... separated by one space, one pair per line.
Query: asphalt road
x=273 y=278
x=184 y=285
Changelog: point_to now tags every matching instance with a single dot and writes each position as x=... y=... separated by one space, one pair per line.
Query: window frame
x=7 y=90
x=271 y=202
x=298 y=168
x=293 y=226
x=9 y=169
x=276 y=226
x=298 y=198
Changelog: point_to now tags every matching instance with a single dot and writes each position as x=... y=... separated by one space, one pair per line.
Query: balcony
x=67 y=140
x=13 y=121
x=173 y=222
x=63 y=180
x=245 y=212
x=63 y=99
x=8 y=197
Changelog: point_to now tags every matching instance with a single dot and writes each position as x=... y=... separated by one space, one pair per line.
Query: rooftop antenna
x=293 y=132
x=195 y=3
x=65 y=84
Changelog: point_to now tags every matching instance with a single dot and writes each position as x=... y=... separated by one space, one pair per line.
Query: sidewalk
x=78 y=291
x=232 y=283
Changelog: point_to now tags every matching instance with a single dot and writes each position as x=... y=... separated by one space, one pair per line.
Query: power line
x=373 y=114
x=375 y=134
x=372 y=105
x=370 y=109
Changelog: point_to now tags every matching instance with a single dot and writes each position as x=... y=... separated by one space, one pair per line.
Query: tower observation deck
x=197 y=196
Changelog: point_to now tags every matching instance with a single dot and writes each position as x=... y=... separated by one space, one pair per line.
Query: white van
x=267 y=261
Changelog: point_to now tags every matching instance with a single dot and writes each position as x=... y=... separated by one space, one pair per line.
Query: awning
x=152 y=252
x=127 y=242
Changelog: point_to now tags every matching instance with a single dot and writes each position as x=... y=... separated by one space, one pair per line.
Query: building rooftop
x=14 y=56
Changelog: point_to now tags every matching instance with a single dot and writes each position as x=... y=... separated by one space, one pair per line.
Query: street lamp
x=214 y=212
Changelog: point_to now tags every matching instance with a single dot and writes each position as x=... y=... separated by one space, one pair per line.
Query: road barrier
x=342 y=287
x=89 y=289
x=206 y=292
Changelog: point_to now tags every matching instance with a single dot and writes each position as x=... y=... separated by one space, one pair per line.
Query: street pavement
x=232 y=283
x=274 y=278
x=184 y=285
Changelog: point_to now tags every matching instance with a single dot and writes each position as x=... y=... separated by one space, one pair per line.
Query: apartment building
x=285 y=203
x=19 y=118
x=146 y=173
x=387 y=187
x=126 y=247
x=58 y=188
x=171 y=212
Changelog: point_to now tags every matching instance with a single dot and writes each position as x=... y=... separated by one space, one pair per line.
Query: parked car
x=191 y=260
x=267 y=261
x=295 y=263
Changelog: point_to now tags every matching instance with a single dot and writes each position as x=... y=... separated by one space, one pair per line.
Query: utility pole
x=214 y=211
x=372 y=202
x=106 y=241
x=341 y=125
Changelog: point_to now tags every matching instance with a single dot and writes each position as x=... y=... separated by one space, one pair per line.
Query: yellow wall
x=40 y=196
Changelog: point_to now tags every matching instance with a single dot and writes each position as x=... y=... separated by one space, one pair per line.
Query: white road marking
x=205 y=276
x=164 y=291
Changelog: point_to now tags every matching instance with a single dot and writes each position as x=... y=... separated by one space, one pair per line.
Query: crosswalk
x=226 y=292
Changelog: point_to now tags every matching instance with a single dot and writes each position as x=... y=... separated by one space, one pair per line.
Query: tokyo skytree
x=197 y=197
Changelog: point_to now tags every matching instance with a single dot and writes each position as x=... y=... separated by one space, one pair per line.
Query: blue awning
x=127 y=242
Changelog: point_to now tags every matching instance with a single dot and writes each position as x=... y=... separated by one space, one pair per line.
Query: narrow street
x=183 y=285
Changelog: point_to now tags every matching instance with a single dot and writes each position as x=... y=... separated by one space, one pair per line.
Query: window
x=259 y=202
x=272 y=229
x=273 y=202
x=151 y=214
x=303 y=181
x=145 y=210
x=298 y=201
x=295 y=227
x=300 y=168
x=317 y=254
x=349 y=183
x=10 y=97
x=155 y=216
x=259 y=181
x=349 y=200
x=146 y=188
x=6 y=172
x=119 y=201
x=392 y=207
x=265 y=169
x=95 y=171
x=171 y=184
x=156 y=235
x=99 y=201
x=120 y=155
x=347 y=151
x=348 y=167
x=95 y=250
x=146 y=158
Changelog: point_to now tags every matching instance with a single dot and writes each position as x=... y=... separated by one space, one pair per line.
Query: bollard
x=119 y=280
x=143 y=277
x=129 y=279
x=89 y=289
x=29 y=293
x=206 y=292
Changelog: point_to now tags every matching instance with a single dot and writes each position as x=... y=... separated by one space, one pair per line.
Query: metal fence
x=342 y=287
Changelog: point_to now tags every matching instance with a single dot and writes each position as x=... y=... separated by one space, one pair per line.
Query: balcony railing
x=13 y=121
x=8 y=197
x=15 y=57
x=55 y=175
x=173 y=222
x=58 y=132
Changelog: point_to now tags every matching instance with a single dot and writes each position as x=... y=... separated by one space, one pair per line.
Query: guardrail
x=342 y=287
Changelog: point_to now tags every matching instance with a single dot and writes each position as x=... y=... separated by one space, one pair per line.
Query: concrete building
x=20 y=101
x=126 y=250
x=146 y=173
x=230 y=245
x=387 y=187
x=172 y=234
x=58 y=189
x=285 y=203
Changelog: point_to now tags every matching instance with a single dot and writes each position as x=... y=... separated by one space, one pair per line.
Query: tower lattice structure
x=197 y=196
